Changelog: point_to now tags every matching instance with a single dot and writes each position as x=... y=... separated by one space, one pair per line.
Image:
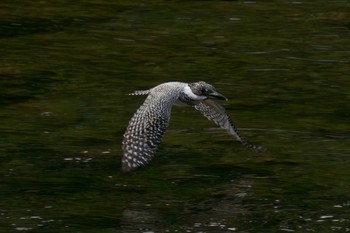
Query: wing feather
x=217 y=113
x=147 y=127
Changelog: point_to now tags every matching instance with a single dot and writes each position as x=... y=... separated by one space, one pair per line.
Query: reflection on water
x=66 y=69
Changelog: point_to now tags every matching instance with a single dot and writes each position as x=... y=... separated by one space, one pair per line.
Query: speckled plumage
x=148 y=125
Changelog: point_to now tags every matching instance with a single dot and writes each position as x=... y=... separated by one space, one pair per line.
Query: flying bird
x=148 y=125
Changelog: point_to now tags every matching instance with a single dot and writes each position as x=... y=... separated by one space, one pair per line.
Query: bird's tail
x=140 y=92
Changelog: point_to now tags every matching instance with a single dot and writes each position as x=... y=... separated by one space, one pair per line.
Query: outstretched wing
x=146 y=129
x=217 y=113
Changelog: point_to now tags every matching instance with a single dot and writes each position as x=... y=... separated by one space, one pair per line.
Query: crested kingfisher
x=148 y=125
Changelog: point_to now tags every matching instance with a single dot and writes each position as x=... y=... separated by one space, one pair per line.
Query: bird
x=146 y=128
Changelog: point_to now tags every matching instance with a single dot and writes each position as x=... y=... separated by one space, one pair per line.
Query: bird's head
x=205 y=91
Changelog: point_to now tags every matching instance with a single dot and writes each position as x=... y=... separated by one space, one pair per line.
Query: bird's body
x=148 y=125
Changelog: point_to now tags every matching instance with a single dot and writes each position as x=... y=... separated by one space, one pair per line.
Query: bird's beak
x=216 y=95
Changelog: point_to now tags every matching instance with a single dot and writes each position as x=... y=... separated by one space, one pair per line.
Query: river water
x=67 y=67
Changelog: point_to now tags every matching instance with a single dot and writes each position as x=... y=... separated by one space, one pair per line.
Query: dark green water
x=66 y=67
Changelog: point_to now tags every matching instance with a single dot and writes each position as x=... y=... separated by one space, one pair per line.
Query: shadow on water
x=64 y=79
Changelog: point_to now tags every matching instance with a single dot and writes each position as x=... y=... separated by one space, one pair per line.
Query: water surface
x=66 y=69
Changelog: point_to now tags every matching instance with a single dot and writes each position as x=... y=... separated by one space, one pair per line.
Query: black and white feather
x=148 y=125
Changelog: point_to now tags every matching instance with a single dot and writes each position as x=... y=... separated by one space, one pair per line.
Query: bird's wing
x=217 y=113
x=146 y=129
